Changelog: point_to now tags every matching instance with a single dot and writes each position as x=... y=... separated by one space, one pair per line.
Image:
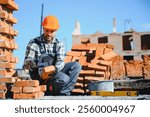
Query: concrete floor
x=140 y=97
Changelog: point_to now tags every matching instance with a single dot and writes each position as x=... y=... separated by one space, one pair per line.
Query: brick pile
x=117 y=69
x=7 y=45
x=146 y=67
x=134 y=68
x=28 y=89
x=99 y=62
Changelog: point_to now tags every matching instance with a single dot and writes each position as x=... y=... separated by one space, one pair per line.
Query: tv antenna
x=127 y=24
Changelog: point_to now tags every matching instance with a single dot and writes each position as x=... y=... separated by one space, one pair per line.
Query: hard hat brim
x=51 y=28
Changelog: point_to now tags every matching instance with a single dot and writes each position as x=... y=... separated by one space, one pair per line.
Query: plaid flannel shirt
x=33 y=52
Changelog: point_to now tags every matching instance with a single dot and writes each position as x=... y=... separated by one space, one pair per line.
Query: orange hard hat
x=50 y=22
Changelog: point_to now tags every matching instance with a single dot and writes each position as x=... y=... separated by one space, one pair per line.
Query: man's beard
x=49 y=38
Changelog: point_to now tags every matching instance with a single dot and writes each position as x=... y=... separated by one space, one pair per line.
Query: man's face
x=49 y=34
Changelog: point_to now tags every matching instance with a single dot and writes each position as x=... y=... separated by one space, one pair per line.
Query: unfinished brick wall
x=7 y=45
x=28 y=89
x=10 y=86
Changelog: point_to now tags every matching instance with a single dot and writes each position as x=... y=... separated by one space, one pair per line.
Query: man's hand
x=47 y=71
x=29 y=64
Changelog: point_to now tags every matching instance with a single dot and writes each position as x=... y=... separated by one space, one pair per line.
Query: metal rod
x=42 y=10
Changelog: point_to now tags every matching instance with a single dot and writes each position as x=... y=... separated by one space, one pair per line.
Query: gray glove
x=29 y=64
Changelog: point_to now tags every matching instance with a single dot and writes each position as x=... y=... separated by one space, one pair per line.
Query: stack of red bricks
x=134 y=68
x=99 y=62
x=28 y=89
x=138 y=68
x=117 y=69
x=146 y=67
x=7 y=44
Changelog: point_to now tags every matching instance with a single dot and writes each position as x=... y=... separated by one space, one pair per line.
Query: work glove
x=29 y=64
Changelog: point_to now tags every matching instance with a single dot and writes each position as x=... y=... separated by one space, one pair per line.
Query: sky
x=93 y=16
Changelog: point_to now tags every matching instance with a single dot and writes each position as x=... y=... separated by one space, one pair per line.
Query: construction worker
x=47 y=51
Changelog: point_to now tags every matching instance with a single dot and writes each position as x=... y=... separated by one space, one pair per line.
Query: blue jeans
x=64 y=81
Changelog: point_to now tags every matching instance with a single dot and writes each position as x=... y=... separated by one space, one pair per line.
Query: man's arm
x=60 y=57
x=29 y=61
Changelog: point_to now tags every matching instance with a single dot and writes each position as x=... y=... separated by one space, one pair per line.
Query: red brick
x=2 y=24
x=7 y=65
x=97 y=67
x=106 y=63
x=117 y=70
x=110 y=46
x=83 y=53
x=99 y=52
x=2 y=95
x=6 y=52
x=24 y=83
x=3 y=38
x=68 y=59
x=28 y=95
x=47 y=71
x=81 y=85
x=11 y=19
x=15 y=32
x=78 y=47
x=40 y=94
x=8 y=79
x=13 y=59
x=3 y=87
x=100 y=73
x=7 y=72
x=87 y=72
x=16 y=89
x=10 y=4
x=82 y=47
x=1 y=8
x=73 y=53
x=11 y=32
x=101 y=62
x=134 y=68
x=4 y=30
x=82 y=60
x=3 y=14
x=80 y=79
x=4 y=58
x=31 y=89
x=5 y=44
x=43 y=88
x=78 y=91
x=75 y=58
x=108 y=56
x=94 y=78
x=107 y=50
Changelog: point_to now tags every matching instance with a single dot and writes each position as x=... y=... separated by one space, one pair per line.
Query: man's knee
x=61 y=78
x=76 y=66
